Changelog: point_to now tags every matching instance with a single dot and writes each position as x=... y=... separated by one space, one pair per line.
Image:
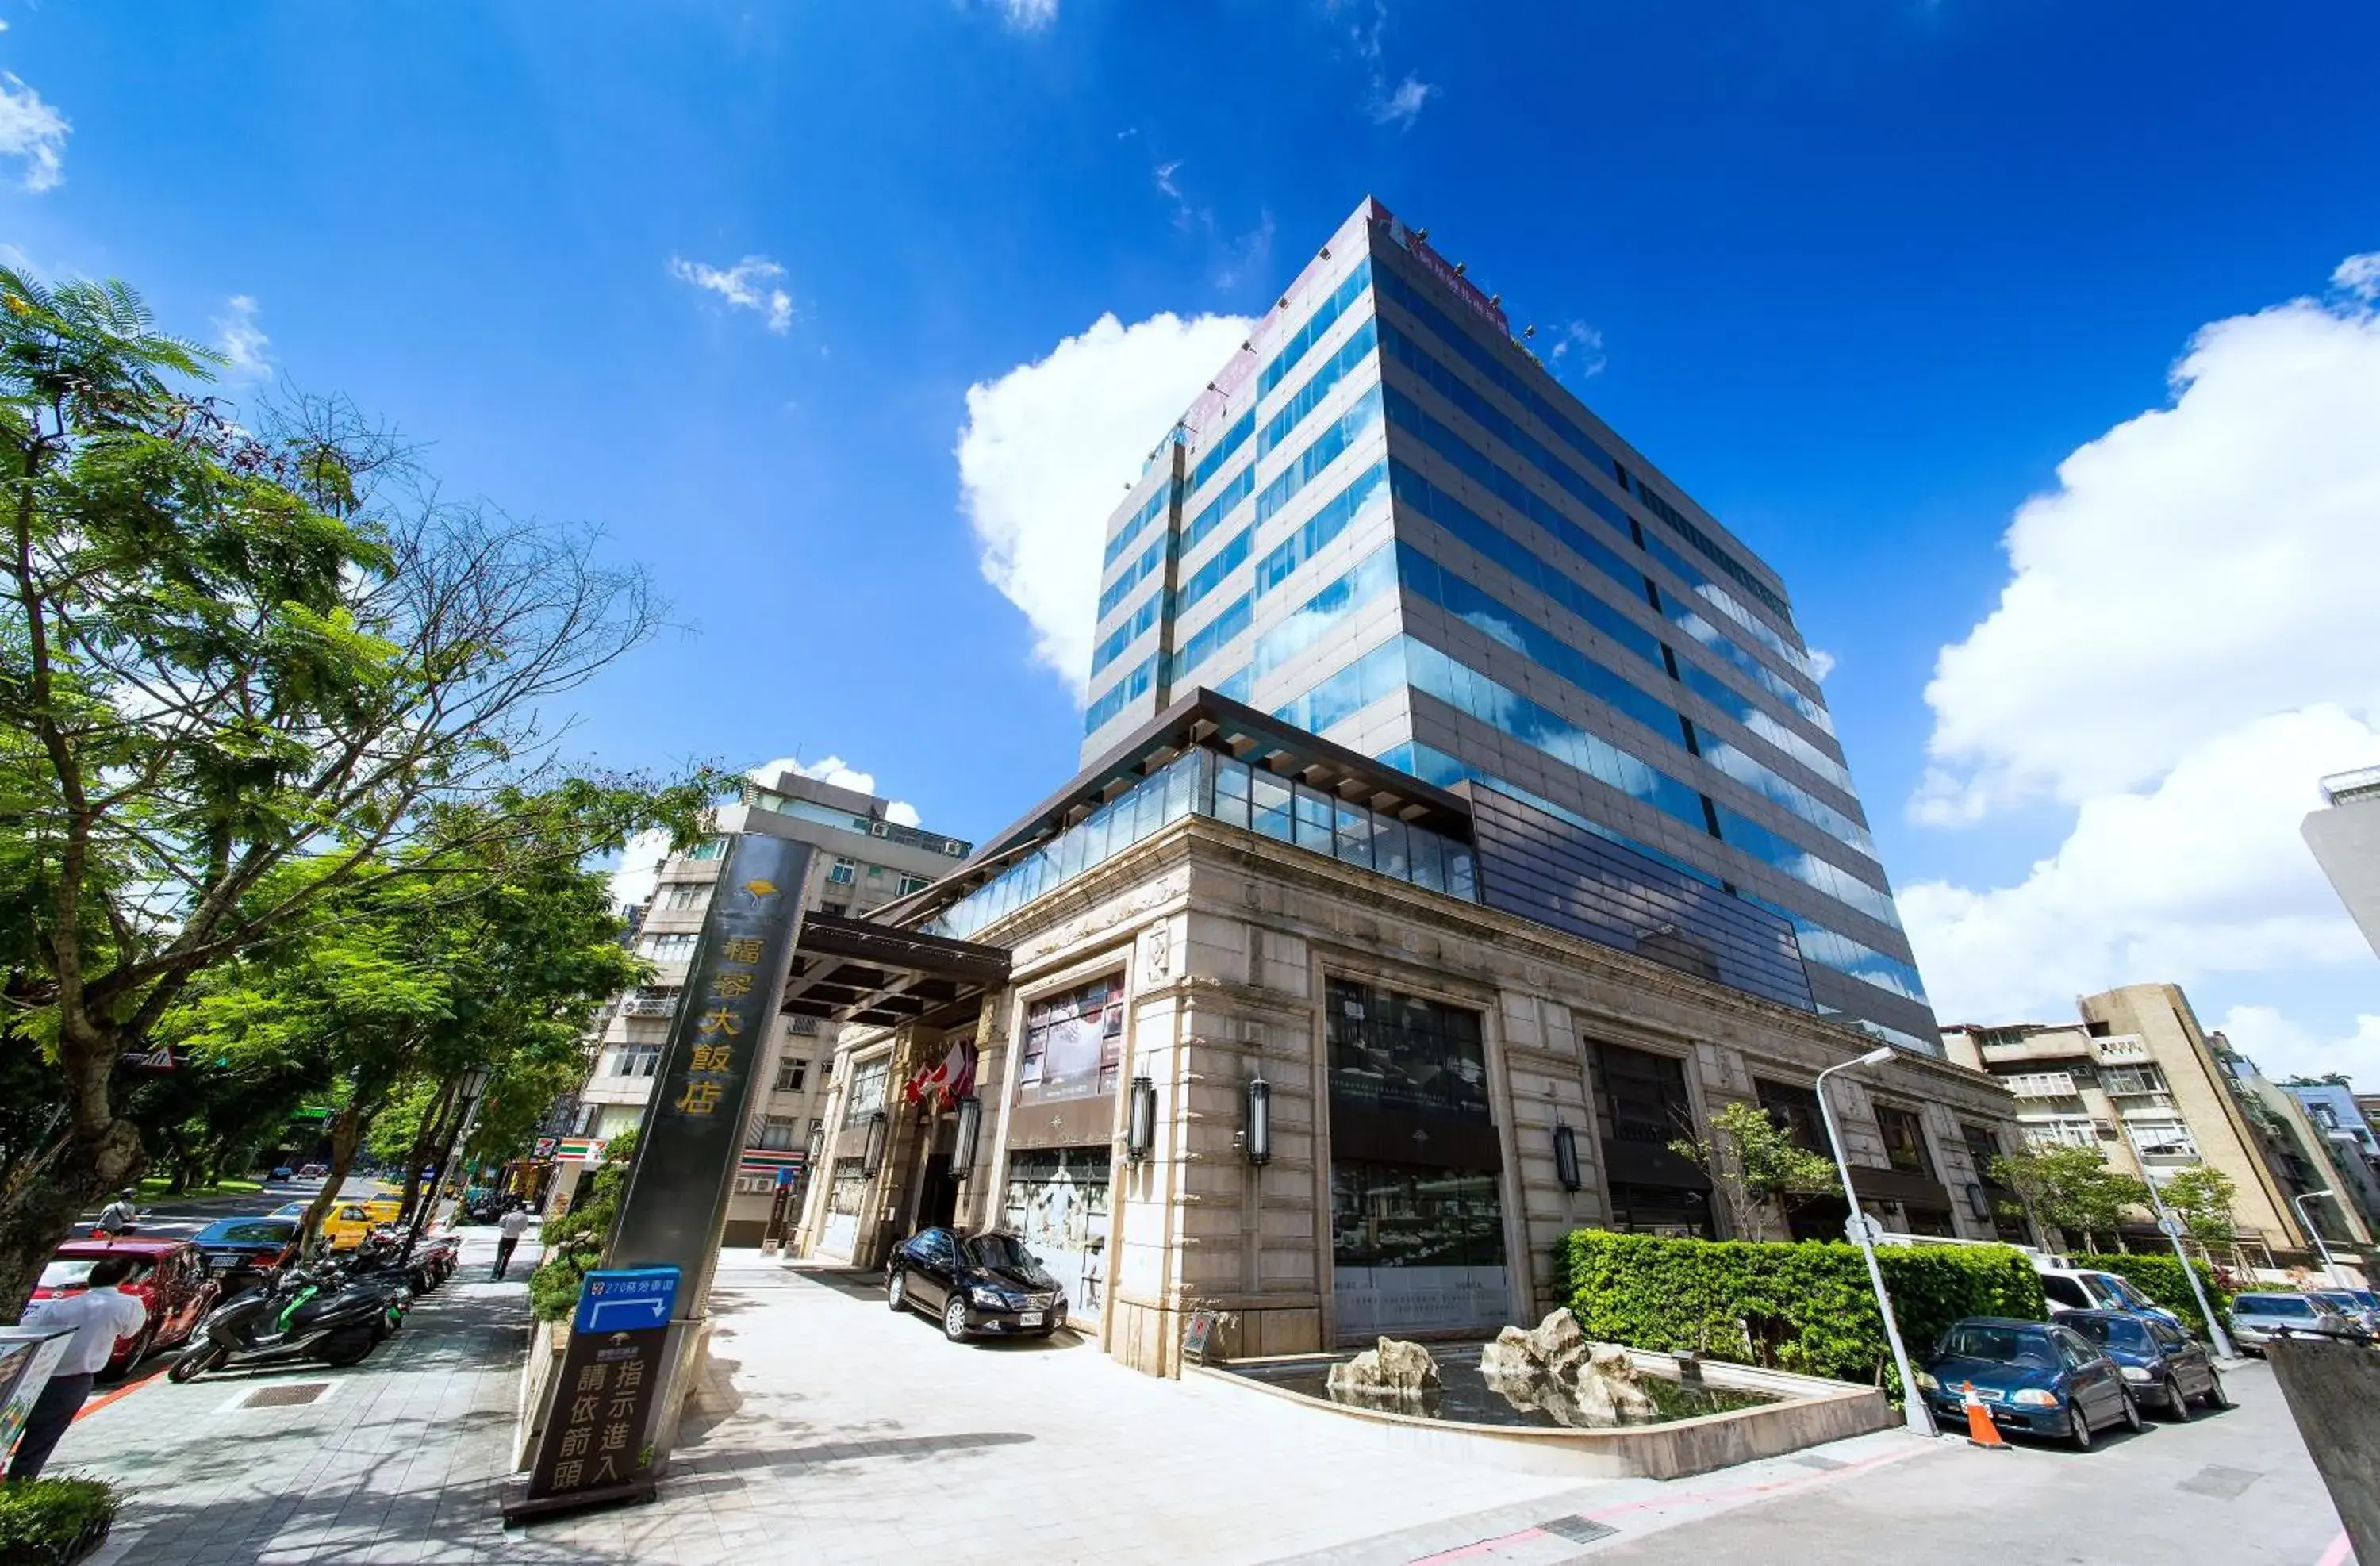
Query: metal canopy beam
x=848 y=970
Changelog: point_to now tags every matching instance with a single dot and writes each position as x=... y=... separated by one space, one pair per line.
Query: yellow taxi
x=351 y=1219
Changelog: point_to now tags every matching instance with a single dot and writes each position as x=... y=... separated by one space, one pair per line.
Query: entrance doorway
x=938 y=1205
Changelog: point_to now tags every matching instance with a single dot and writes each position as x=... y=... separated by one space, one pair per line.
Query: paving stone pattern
x=828 y=1430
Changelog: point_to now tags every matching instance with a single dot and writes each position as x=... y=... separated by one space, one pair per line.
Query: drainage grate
x=294 y=1394
x=1578 y=1530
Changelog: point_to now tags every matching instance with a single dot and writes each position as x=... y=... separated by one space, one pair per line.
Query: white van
x=2075 y=1288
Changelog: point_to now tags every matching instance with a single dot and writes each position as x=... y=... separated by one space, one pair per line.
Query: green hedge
x=2160 y=1277
x=1805 y=1306
x=45 y=1521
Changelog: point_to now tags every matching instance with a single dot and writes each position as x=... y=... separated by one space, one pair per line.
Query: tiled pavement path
x=829 y=1429
x=397 y=1462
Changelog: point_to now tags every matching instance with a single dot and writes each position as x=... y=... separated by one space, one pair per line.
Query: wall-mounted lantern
x=1566 y=1156
x=1977 y=1203
x=1260 y=1126
x=1140 y=1130
x=871 y=1152
x=969 y=1131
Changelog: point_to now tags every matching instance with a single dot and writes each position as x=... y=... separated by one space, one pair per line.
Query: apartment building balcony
x=2041 y=1085
x=2060 y=1045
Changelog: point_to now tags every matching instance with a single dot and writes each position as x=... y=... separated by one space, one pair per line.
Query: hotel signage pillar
x=674 y=1210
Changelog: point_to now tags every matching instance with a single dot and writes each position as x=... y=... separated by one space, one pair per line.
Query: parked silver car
x=2257 y=1319
x=2357 y=1305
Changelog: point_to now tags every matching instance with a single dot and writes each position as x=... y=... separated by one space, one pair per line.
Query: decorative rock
x=1555 y=1368
x=1395 y=1369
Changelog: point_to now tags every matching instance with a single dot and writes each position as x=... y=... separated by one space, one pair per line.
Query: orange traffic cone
x=1980 y=1431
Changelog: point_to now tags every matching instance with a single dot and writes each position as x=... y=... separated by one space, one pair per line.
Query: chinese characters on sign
x=676 y=1202
x=593 y=1448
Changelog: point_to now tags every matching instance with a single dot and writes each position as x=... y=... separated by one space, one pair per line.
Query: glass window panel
x=1390 y=855
x=1354 y=830
x=1269 y=806
x=1314 y=820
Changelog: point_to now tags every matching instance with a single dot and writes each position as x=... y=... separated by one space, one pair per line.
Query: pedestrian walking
x=118 y=1216
x=509 y=1230
x=98 y=1314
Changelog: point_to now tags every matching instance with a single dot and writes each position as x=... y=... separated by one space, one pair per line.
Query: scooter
x=308 y=1316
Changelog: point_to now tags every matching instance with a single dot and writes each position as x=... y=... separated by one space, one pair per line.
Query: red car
x=169 y=1277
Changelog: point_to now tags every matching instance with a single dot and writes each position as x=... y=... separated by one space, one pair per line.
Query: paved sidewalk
x=396 y=1462
x=831 y=1429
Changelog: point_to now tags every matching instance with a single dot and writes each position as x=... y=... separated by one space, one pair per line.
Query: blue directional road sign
x=626 y=1299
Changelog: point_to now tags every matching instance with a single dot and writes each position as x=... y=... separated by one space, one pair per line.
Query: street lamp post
x=2330 y=1266
x=1919 y=1418
x=2170 y=1227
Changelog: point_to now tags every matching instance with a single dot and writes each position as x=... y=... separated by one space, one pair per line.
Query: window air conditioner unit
x=880 y=829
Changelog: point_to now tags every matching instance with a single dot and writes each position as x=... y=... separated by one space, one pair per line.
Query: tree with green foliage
x=1758 y=1168
x=2201 y=1197
x=2073 y=1190
x=400 y=986
x=248 y=664
x=574 y=1242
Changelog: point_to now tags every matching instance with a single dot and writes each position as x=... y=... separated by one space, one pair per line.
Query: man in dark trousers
x=509 y=1230
x=99 y=1313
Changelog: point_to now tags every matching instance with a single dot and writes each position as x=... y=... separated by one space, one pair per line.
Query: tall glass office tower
x=1385 y=523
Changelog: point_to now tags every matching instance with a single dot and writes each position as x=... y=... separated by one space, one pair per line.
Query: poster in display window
x=1074 y=1044
x=1057 y=1203
x=846 y=1192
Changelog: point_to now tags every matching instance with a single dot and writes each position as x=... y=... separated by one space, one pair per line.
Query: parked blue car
x=2036 y=1378
x=2161 y=1363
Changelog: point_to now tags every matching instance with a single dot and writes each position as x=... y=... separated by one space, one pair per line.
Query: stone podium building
x=1461 y=825
x=1450 y=1084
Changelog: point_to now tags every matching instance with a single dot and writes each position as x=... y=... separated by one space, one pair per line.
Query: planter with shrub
x=1803 y=1307
x=53 y=1522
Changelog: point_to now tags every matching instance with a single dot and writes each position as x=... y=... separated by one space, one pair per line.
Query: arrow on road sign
x=634 y=1311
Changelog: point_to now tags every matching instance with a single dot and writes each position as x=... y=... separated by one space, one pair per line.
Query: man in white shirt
x=100 y=1315
x=509 y=1230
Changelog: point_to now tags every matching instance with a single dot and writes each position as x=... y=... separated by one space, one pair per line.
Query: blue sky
x=1861 y=277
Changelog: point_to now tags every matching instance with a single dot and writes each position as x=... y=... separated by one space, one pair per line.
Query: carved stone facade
x=1226 y=946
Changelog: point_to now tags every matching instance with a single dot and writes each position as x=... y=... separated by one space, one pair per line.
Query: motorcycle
x=381 y=1260
x=307 y=1316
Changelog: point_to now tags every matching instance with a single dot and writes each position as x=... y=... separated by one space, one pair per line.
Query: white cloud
x=2358 y=275
x=749 y=285
x=1578 y=348
x=2199 y=567
x=2282 y=1048
x=1404 y=107
x=1049 y=448
x=1028 y=16
x=2181 y=652
x=241 y=341
x=2202 y=875
x=33 y=132
x=1822 y=662
x=1249 y=257
x=639 y=869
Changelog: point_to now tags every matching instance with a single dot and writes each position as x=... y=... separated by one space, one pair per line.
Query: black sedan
x=240 y=1251
x=2159 y=1363
x=984 y=1285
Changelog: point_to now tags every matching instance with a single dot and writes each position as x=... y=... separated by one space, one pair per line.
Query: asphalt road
x=2235 y=1487
x=179 y=1218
